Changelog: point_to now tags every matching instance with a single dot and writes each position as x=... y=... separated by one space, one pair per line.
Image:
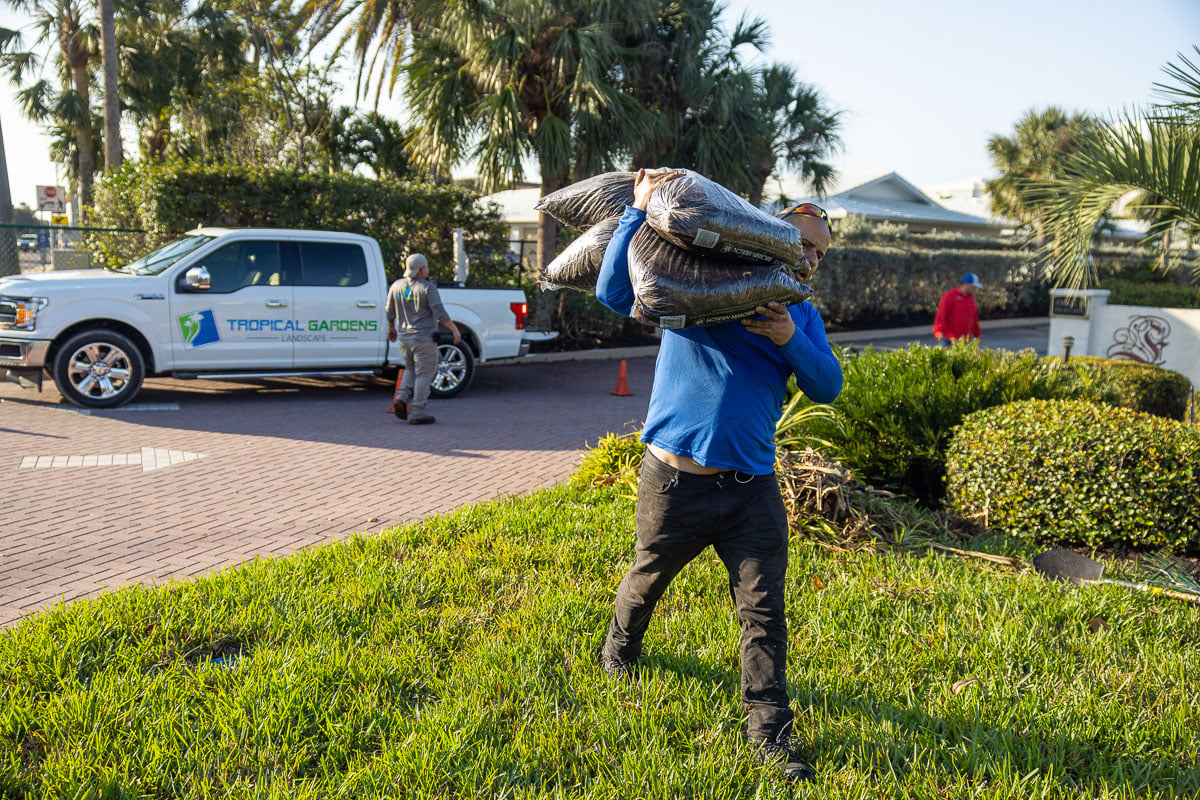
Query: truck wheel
x=99 y=368
x=456 y=369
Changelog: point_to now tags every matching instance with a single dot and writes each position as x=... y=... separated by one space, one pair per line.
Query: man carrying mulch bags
x=708 y=474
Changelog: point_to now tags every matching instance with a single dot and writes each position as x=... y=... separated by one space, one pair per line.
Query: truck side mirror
x=197 y=279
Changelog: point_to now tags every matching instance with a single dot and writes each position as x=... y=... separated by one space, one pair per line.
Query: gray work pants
x=743 y=518
x=420 y=366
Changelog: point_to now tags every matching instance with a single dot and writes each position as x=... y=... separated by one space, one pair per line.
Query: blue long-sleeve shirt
x=719 y=389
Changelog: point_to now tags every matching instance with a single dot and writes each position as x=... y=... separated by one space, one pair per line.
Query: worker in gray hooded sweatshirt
x=414 y=310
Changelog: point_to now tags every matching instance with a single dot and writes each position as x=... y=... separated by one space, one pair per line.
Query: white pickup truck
x=236 y=304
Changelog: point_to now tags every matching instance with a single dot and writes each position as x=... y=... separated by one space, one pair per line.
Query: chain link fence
x=42 y=248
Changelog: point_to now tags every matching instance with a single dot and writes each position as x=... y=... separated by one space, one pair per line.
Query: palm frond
x=377 y=32
x=753 y=32
x=10 y=39
x=553 y=144
x=36 y=100
x=504 y=139
x=792 y=430
x=1184 y=94
x=1159 y=156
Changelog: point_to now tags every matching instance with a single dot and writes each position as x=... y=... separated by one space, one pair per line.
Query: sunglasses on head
x=807 y=209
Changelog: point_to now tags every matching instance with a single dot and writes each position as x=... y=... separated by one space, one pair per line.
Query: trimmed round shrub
x=1079 y=473
x=894 y=417
x=1141 y=387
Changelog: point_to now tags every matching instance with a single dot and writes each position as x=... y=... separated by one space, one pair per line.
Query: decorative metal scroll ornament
x=1143 y=339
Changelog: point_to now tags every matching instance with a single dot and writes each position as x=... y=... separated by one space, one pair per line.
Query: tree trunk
x=1165 y=259
x=112 y=105
x=760 y=177
x=84 y=138
x=9 y=264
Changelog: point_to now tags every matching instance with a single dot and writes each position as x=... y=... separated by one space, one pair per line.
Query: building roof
x=968 y=196
x=890 y=197
x=875 y=197
x=516 y=205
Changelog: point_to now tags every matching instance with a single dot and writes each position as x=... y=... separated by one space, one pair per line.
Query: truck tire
x=99 y=368
x=456 y=369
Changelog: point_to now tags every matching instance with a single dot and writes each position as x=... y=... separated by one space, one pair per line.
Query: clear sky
x=923 y=83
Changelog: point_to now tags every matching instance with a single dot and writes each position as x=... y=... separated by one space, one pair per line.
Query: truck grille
x=8 y=312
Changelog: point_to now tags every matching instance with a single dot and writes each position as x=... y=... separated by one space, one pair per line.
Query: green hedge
x=863 y=283
x=879 y=273
x=166 y=199
x=1079 y=473
x=897 y=409
x=1162 y=295
x=1137 y=386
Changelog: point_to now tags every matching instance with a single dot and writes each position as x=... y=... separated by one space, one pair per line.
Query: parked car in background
x=237 y=304
x=27 y=241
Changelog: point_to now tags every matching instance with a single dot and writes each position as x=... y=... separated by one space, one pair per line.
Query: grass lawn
x=454 y=658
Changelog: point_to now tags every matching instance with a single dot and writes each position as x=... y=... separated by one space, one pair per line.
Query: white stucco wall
x=1165 y=337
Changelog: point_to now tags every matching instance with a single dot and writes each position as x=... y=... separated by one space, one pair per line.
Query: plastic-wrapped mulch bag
x=590 y=201
x=578 y=266
x=677 y=289
x=704 y=217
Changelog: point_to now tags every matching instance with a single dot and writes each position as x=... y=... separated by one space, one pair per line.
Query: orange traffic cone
x=622 y=382
x=396 y=390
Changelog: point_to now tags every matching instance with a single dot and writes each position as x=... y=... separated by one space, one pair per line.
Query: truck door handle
x=365 y=304
x=276 y=304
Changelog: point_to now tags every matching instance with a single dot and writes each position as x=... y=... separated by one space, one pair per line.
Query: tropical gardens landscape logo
x=198 y=328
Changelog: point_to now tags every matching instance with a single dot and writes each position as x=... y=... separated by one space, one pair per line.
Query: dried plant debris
x=827 y=503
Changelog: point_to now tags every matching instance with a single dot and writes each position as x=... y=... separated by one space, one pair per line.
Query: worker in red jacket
x=957 y=317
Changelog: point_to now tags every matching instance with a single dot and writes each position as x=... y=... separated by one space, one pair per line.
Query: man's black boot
x=781 y=754
x=617 y=667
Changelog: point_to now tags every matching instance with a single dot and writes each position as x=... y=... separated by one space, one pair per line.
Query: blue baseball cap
x=972 y=279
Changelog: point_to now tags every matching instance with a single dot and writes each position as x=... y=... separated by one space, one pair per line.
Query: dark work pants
x=743 y=518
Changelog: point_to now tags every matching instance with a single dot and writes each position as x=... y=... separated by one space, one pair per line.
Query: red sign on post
x=52 y=199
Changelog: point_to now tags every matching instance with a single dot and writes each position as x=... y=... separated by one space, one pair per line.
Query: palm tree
x=1031 y=157
x=513 y=80
x=378 y=142
x=159 y=60
x=1155 y=152
x=112 y=101
x=672 y=74
x=189 y=78
x=721 y=132
x=62 y=27
x=733 y=123
x=9 y=263
x=800 y=131
x=377 y=29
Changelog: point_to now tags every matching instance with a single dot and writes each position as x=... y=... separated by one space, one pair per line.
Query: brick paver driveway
x=109 y=498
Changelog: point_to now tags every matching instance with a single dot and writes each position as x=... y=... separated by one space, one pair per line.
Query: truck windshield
x=156 y=261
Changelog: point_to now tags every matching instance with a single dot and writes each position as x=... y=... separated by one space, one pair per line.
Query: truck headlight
x=20 y=313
